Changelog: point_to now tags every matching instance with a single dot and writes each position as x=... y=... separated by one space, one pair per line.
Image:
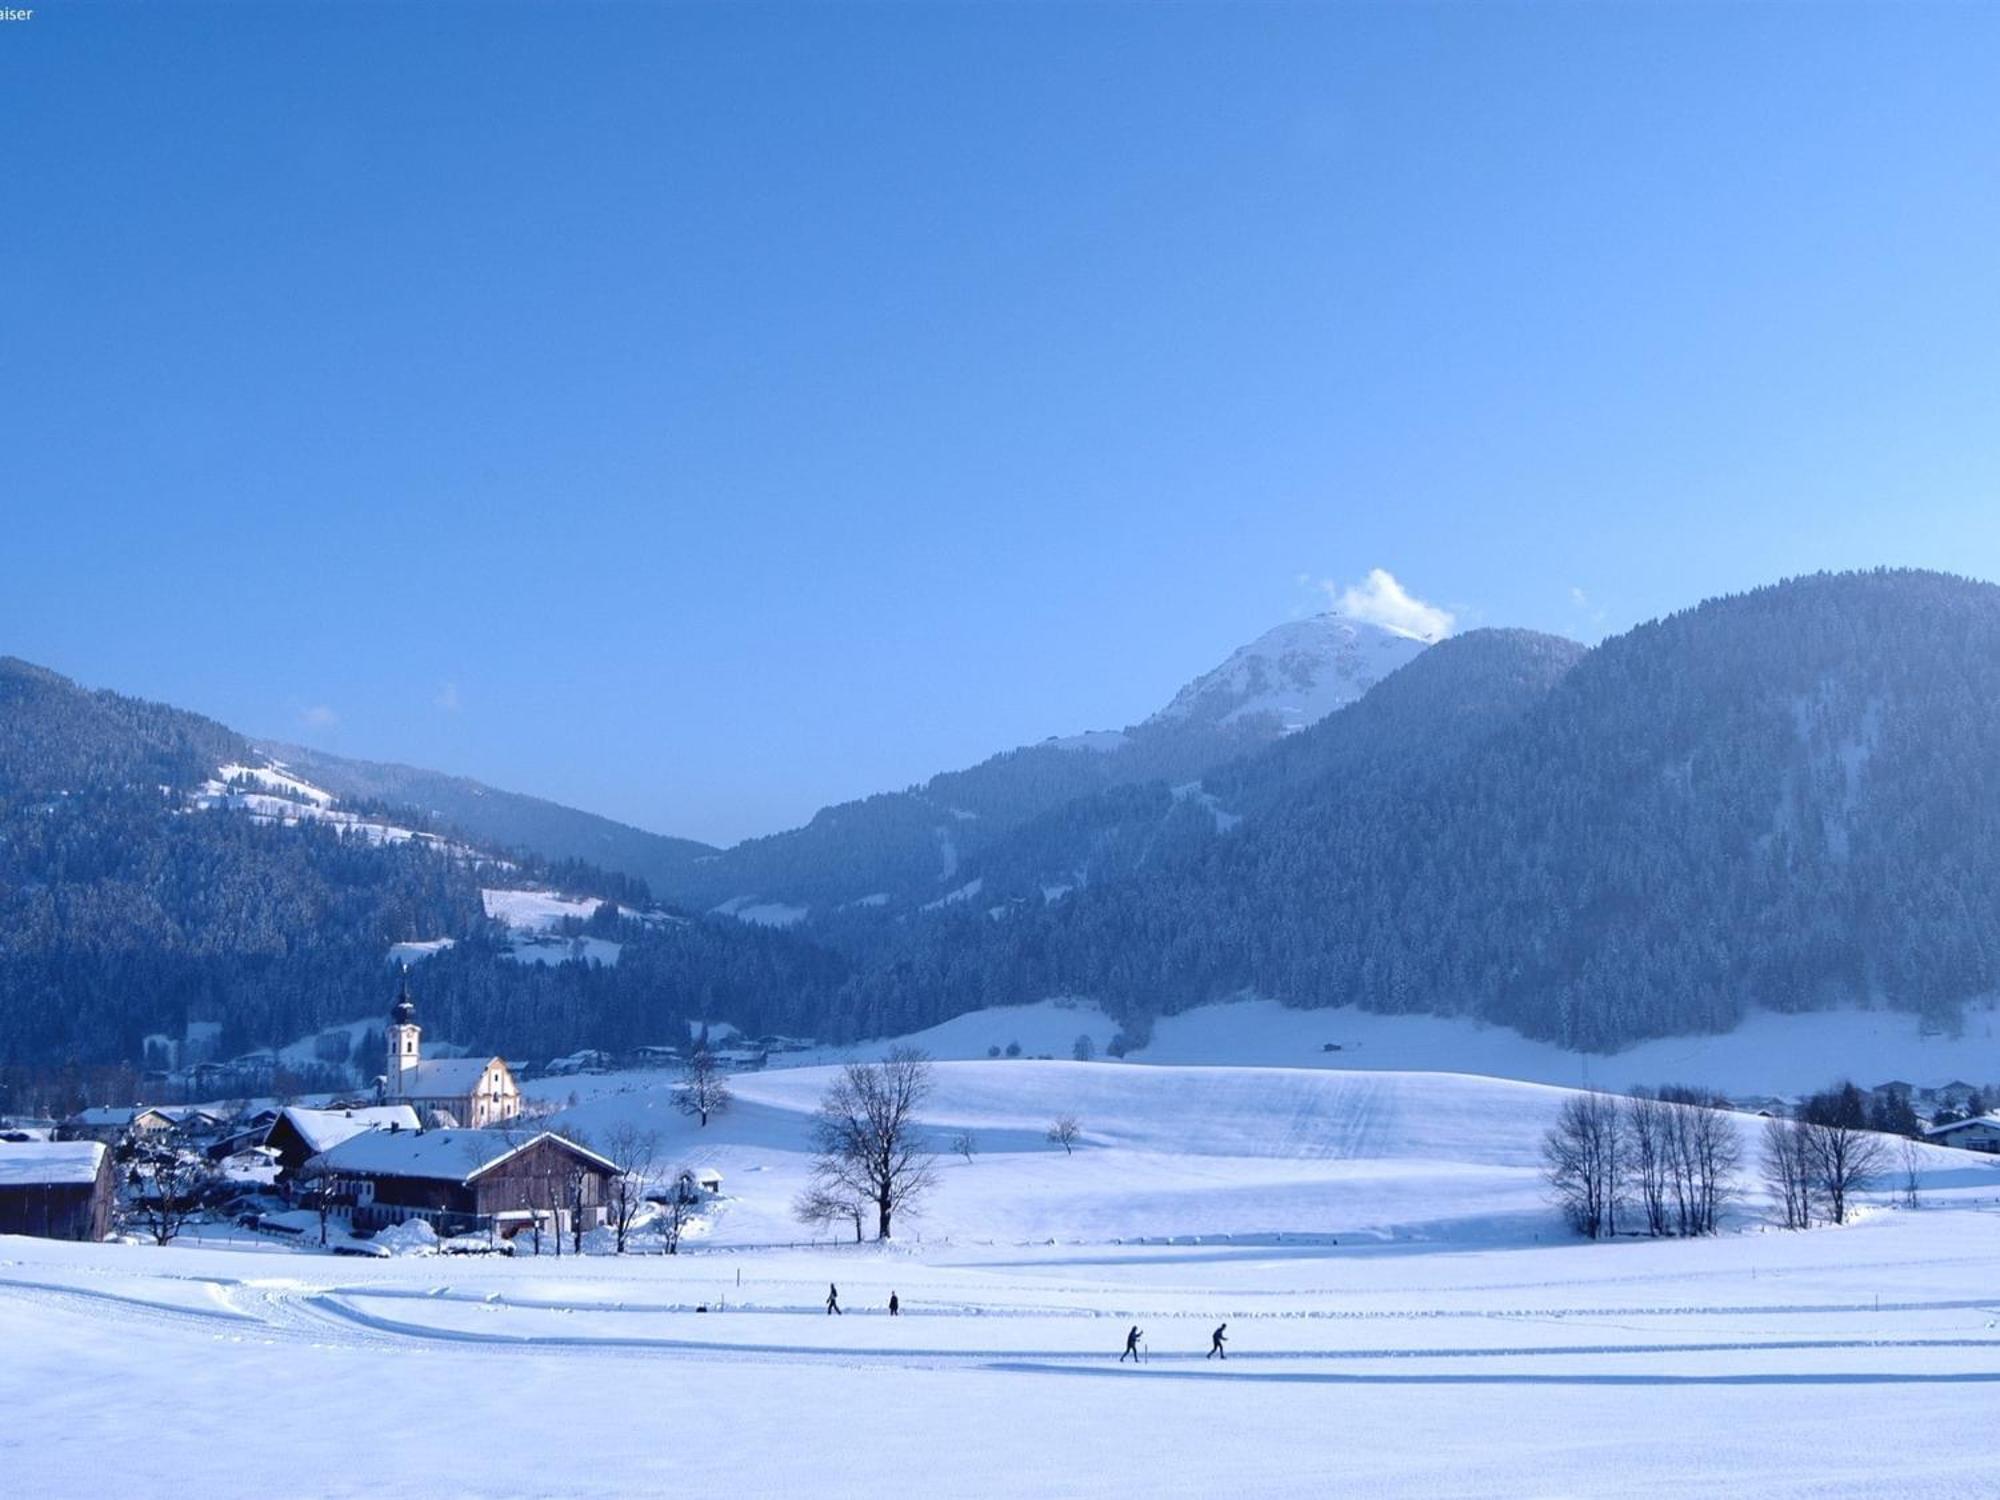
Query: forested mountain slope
x=155 y=871
x=499 y=819
x=902 y=849
x=1784 y=799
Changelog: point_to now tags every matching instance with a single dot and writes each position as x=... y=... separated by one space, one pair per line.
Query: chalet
x=463 y=1181
x=1980 y=1133
x=112 y=1124
x=61 y=1190
x=453 y=1091
x=656 y=1055
x=298 y=1135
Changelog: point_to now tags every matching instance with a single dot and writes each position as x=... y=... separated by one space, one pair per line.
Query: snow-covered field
x=1405 y=1317
x=1769 y=1053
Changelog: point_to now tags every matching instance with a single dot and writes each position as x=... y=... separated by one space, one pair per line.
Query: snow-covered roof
x=41 y=1163
x=439 y=1155
x=1991 y=1122
x=105 y=1115
x=323 y=1129
x=444 y=1077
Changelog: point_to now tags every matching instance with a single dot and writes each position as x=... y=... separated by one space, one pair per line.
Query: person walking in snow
x=832 y=1299
x=895 y=1307
x=1215 y=1343
x=1131 y=1346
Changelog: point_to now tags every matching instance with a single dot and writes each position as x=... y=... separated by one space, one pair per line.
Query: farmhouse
x=298 y=1135
x=1980 y=1133
x=60 y=1190
x=458 y=1091
x=111 y=1124
x=461 y=1181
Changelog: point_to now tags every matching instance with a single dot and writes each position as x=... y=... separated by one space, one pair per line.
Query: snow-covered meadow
x=1405 y=1317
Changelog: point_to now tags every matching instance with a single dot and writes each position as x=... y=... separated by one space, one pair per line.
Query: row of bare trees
x=1667 y=1163
x=1670 y=1161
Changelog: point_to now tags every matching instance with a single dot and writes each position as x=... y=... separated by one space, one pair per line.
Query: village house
x=464 y=1181
x=1980 y=1133
x=112 y=1124
x=450 y=1091
x=62 y=1190
x=298 y=1135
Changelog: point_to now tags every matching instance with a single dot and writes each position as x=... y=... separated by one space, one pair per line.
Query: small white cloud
x=319 y=716
x=447 y=698
x=1380 y=600
x=1590 y=608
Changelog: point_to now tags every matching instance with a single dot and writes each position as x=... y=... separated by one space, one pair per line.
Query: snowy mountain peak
x=1297 y=673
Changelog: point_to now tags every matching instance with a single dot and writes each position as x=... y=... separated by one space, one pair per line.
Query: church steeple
x=405 y=1038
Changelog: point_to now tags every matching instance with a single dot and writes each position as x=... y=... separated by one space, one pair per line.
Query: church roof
x=444 y=1077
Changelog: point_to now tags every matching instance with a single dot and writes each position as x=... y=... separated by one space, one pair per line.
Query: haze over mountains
x=1779 y=800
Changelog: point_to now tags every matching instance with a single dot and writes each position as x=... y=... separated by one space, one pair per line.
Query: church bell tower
x=405 y=1040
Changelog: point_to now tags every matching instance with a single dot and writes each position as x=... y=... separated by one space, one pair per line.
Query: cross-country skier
x=832 y=1299
x=1215 y=1343
x=1131 y=1346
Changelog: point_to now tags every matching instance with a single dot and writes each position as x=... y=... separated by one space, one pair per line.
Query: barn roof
x=323 y=1129
x=1991 y=1122
x=441 y=1155
x=48 y=1163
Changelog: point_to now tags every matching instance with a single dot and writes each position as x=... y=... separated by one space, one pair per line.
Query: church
x=448 y=1091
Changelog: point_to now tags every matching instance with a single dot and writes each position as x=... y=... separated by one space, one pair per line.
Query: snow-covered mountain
x=903 y=850
x=1294 y=675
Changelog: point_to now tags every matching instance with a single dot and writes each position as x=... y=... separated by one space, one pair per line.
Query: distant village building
x=298 y=1135
x=62 y=1190
x=112 y=1124
x=463 y=1181
x=464 y=1091
x=1980 y=1133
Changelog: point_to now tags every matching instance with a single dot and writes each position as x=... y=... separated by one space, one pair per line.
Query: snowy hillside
x=1376 y=1245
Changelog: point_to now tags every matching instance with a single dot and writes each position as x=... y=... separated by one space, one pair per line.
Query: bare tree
x=636 y=1150
x=866 y=1135
x=1788 y=1172
x=704 y=1087
x=1913 y=1171
x=1582 y=1154
x=1843 y=1160
x=321 y=1193
x=168 y=1184
x=823 y=1207
x=1065 y=1131
x=1704 y=1154
x=1083 y=1049
x=965 y=1145
x=677 y=1208
x=1649 y=1159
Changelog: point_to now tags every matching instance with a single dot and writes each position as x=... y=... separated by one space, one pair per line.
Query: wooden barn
x=463 y=1181
x=58 y=1190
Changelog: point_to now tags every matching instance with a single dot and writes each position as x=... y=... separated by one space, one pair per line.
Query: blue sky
x=703 y=414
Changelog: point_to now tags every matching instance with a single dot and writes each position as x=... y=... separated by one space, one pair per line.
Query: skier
x=1131 y=1346
x=1215 y=1343
x=894 y=1306
x=832 y=1299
